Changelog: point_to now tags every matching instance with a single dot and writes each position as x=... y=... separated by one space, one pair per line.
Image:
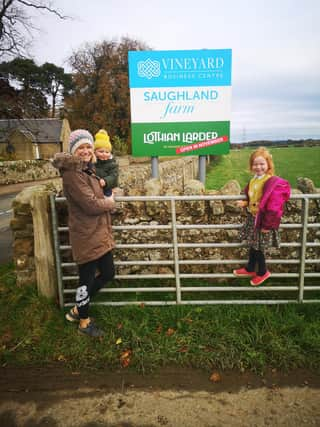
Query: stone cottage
x=29 y=139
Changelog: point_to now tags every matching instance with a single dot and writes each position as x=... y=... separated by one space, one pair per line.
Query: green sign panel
x=166 y=139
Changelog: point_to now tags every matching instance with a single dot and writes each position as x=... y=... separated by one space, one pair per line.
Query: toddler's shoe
x=256 y=281
x=91 y=330
x=242 y=272
x=71 y=316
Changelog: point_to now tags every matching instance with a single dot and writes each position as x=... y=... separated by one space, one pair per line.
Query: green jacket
x=109 y=171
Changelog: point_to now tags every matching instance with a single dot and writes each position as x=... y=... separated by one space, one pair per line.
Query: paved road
x=7 y=194
x=5 y=231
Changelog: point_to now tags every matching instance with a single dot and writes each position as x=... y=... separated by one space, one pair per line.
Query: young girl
x=266 y=195
x=89 y=226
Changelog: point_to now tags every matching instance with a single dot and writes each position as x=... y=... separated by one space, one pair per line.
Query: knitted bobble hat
x=79 y=137
x=102 y=140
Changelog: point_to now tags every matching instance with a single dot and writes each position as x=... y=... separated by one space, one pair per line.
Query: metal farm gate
x=303 y=286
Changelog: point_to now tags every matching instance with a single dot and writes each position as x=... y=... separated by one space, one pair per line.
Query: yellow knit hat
x=102 y=140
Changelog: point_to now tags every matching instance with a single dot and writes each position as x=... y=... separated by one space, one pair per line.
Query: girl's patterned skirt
x=255 y=238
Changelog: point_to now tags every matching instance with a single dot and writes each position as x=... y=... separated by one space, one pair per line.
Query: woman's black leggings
x=89 y=283
x=257 y=257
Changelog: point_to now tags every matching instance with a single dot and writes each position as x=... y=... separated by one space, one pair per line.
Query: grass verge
x=33 y=331
x=290 y=163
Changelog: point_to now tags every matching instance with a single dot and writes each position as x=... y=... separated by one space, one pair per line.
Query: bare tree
x=16 y=24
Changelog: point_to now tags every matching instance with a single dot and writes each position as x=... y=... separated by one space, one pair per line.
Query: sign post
x=202 y=169
x=154 y=167
x=180 y=102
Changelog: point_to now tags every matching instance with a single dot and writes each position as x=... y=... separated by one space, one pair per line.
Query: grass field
x=33 y=332
x=290 y=163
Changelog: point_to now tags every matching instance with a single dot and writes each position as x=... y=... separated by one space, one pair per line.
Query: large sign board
x=180 y=102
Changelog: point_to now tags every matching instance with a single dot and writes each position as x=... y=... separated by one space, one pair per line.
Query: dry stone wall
x=149 y=213
x=132 y=173
x=206 y=212
x=177 y=177
x=173 y=174
x=25 y=171
x=133 y=179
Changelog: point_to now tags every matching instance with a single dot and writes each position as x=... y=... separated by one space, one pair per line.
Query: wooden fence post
x=43 y=245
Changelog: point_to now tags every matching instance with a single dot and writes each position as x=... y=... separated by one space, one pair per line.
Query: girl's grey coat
x=89 y=211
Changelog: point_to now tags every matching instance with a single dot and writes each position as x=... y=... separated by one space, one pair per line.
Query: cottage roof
x=38 y=130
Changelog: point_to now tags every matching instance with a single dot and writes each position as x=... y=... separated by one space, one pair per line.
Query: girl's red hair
x=262 y=152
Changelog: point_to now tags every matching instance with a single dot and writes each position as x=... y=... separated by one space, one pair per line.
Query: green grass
x=33 y=332
x=290 y=163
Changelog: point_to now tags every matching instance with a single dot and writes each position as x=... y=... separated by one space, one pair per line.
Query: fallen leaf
x=6 y=337
x=170 y=332
x=125 y=362
x=183 y=349
x=215 y=377
x=119 y=341
x=125 y=354
x=125 y=358
x=119 y=326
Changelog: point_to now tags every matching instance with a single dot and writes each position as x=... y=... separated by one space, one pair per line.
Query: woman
x=89 y=226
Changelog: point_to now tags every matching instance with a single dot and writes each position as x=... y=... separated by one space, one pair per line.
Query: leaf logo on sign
x=149 y=69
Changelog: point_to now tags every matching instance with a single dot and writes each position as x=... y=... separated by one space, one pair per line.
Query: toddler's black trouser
x=257 y=257
x=89 y=283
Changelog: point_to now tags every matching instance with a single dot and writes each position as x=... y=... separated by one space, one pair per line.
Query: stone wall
x=25 y=171
x=205 y=212
x=132 y=179
x=132 y=173
x=173 y=174
x=23 y=240
x=159 y=213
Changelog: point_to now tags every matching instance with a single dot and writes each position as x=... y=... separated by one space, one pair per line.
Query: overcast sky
x=275 y=48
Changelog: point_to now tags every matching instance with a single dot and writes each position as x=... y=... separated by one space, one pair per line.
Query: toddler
x=106 y=166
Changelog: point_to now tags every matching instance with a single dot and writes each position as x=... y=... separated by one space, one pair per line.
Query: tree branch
x=15 y=22
x=40 y=6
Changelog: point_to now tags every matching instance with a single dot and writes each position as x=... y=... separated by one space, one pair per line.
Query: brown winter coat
x=89 y=211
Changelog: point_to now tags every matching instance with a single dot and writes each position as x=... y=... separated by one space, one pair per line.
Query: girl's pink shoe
x=242 y=272
x=256 y=281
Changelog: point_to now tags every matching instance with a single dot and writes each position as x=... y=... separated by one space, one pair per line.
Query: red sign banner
x=202 y=144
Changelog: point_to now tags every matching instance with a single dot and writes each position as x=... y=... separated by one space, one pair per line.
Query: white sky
x=275 y=50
